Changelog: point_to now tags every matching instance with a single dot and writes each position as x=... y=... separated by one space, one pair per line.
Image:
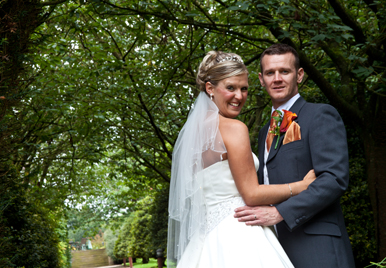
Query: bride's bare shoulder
x=232 y=128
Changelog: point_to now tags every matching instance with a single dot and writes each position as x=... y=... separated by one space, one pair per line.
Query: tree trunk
x=374 y=138
x=19 y=19
x=376 y=172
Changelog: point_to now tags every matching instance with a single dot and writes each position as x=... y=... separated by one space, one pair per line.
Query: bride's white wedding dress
x=229 y=243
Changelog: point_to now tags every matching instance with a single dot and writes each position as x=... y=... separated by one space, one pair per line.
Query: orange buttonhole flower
x=288 y=118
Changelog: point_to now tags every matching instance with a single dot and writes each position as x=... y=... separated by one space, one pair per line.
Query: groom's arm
x=329 y=157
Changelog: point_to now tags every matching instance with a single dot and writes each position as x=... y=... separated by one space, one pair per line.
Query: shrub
x=158 y=225
x=27 y=234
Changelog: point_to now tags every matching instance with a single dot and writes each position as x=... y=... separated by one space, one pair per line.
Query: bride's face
x=230 y=94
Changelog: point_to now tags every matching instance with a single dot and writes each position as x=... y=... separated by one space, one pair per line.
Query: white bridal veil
x=198 y=146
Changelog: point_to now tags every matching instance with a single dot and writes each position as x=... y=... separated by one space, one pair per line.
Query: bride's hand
x=300 y=186
x=309 y=178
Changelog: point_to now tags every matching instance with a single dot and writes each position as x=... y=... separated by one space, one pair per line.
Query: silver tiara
x=232 y=58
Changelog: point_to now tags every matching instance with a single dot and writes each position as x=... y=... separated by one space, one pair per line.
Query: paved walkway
x=112 y=266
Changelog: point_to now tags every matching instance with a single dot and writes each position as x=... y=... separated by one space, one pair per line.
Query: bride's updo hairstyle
x=218 y=65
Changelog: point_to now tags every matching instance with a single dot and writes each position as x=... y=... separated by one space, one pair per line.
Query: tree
x=110 y=239
x=356 y=204
x=32 y=236
x=134 y=239
x=28 y=237
x=139 y=244
x=121 y=245
x=120 y=74
x=19 y=19
x=341 y=46
x=158 y=226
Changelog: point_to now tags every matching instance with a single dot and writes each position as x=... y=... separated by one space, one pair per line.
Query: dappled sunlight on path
x=111 y=266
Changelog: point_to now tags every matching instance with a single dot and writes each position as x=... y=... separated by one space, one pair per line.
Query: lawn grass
x=152 y=264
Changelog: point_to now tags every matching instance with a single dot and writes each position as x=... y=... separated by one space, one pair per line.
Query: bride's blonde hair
x=218 y=65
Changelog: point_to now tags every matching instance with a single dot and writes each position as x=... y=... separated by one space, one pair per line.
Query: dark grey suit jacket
x=313 y=232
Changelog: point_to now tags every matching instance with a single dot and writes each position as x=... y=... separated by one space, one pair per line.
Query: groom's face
x=280 y=77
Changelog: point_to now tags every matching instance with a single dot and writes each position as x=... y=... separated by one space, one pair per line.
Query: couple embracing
x=228 y=208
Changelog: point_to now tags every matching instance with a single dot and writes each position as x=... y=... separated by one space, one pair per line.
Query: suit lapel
x=273 y=151
x=296 y=107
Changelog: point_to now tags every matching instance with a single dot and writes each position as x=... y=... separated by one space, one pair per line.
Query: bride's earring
x=211 y=96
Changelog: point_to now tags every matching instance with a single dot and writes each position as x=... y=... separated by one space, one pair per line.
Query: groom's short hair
x=280 y=49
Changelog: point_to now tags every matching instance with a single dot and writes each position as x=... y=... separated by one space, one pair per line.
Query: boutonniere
x=283 y=123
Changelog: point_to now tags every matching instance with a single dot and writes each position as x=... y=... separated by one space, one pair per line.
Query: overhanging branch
x=346 y=19
x=157 y=130
x=52 y=3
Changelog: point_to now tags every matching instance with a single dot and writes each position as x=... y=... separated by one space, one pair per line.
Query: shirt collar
x=288 y=104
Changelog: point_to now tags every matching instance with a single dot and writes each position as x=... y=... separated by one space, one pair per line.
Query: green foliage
x=135 y=237
x=82 y=223
x=158 y=225
x=19 y=20
x=97 y=241
x=356 y=204
x=121 y=246
x=28 y=235
x=110 y=84
x=110 y=240
x=139 y=244
x=381 y=264
x=65 y=254
x=145 y=229
x=358 y=215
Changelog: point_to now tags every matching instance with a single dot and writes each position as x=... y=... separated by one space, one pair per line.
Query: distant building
x=85 y=244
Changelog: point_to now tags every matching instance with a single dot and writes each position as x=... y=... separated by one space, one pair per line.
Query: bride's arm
x=236 y=139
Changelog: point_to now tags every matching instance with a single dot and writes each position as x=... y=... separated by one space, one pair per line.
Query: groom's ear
x=300 y=75
x=261 y=80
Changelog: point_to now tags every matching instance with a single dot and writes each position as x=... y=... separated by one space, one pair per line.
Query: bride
x=214 y=172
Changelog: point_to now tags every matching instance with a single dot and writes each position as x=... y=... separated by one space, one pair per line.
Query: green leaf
x=233 y=8
x=363 y=72
x=319 y=37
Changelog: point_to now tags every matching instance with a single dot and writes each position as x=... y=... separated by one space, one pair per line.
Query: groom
x=310 y=226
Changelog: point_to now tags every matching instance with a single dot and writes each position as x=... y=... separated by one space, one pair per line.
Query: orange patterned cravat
x=272 y=127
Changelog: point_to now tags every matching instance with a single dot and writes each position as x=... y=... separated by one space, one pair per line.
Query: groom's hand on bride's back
x=259 y=215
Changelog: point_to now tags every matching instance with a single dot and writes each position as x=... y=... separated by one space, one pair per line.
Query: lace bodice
x=221 y=195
